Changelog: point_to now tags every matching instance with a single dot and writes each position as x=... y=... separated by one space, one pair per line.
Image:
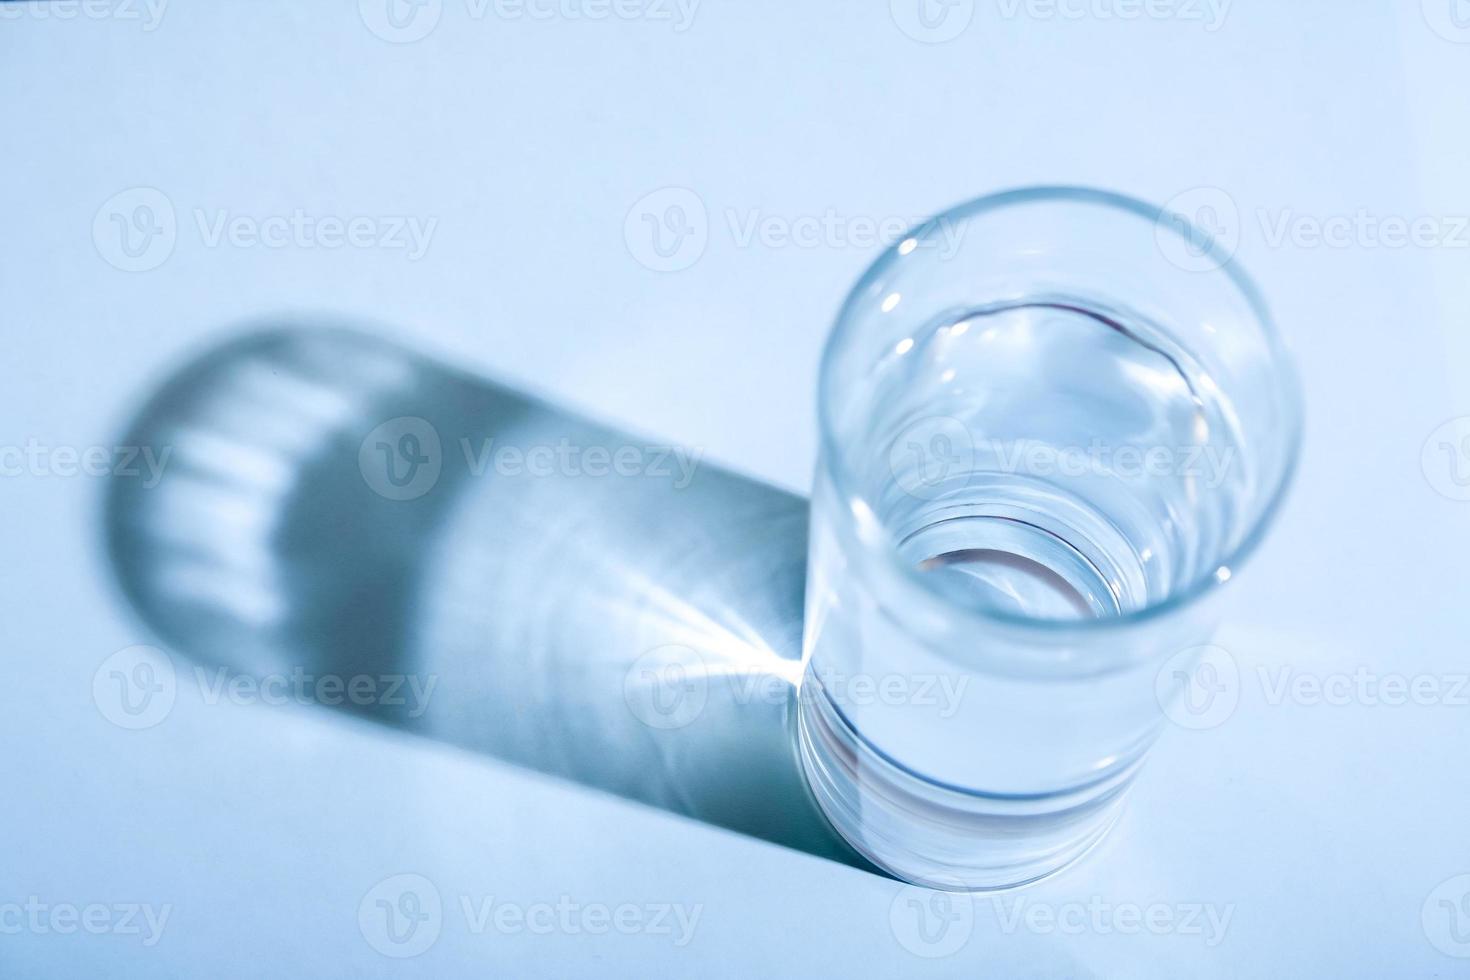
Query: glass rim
x=1224 y=262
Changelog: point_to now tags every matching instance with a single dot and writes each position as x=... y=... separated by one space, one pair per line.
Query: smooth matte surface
x=1322 y=828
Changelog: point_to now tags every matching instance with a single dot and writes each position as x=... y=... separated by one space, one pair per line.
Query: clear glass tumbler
x=1054 y=422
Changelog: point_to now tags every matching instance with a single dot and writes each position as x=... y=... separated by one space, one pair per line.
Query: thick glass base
x=927 y=833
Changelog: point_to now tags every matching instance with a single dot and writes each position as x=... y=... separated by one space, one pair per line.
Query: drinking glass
x=1053 y=423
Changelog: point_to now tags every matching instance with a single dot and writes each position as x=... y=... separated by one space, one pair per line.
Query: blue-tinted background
x=523 y=143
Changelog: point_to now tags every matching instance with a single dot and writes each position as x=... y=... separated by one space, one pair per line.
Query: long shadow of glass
x=353 y=523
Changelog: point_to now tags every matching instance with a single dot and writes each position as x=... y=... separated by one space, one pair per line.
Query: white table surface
x=1322 y=831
